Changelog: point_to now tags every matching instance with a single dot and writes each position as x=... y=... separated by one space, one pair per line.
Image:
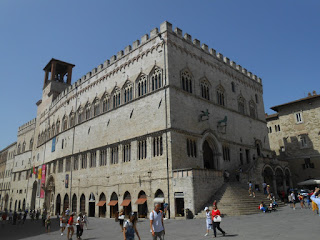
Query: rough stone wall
x=289 y=137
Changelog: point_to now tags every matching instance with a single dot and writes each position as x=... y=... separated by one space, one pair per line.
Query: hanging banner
x=43 y=180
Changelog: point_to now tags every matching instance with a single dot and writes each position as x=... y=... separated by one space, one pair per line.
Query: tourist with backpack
x=130 y=228
x=156 y=223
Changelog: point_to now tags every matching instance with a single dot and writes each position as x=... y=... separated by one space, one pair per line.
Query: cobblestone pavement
x=283 y=224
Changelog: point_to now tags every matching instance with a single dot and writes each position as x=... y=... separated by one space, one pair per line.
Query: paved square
x=283 y=224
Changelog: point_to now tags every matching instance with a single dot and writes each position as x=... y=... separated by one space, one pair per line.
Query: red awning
x=141 y=200
x=113 y=203
x=125 y=202
x=101 y=203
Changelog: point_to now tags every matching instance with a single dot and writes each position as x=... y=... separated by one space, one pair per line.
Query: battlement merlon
x=166 y=26
x=28 y=124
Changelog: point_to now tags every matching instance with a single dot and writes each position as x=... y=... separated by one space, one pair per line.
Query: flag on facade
x=34 y=170
x=39 y=173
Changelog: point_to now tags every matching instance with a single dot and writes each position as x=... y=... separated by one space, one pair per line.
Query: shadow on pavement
x=28 y=229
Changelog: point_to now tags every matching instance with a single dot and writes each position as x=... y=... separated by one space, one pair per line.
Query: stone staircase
x=233 y=200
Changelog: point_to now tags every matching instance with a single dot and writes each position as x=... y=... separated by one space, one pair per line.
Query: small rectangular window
x=298 y=117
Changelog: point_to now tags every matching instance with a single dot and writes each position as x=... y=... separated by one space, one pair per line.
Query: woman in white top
x=79 y=225
x=208 y=220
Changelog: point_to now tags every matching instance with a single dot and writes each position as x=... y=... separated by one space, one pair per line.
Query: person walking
x=48 y=224
x=63 y=223
x=130 y=228
x=293 y=199
x=156 y=223
x=79 y=225
x=24 y=217
x=250 y=188
x=208 y=220
x=264 y=186
x=85 y=220
x=216 y=219
x=70 y=227
x=121 y=219
x=315 y=200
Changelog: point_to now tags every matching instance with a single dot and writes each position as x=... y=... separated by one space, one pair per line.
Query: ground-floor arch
x=102 y=205
x=142 y=205
x=92 y=205
x=33 y=195
x=114 y=206
x=58 y=204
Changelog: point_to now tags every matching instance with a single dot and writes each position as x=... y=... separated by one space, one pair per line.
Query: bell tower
x=57 y=77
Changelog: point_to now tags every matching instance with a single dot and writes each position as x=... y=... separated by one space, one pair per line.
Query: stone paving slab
x=283 y=224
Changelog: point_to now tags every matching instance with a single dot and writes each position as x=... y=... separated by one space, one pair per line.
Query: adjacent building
x=294 y=135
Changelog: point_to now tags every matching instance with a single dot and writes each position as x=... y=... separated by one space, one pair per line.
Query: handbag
x=217 y=219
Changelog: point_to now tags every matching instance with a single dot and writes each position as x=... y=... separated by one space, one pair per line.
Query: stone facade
x=159 y=121
x=7 y=156
x=294 y=136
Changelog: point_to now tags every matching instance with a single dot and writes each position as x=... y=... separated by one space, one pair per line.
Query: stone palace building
x=294 y=136
x=158 y=122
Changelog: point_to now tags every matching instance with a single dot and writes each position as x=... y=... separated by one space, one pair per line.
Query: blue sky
x=276 y=40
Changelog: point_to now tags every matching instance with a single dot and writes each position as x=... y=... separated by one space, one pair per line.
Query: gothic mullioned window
x=53 y=130
x=58 y=126
x=142 y=149
x=116 y=96
x=126 y=152
x=252 y=109
x=226 y=153
x=79 y=115
x=233 y=87
x=96 y=107
x=114 y=155
x=105 y=103
x=71 y=119
x=93 y=159
x=88 y=111
x=31 y=144
x=156 y=79
x=205 y=90
x=24 y=147
x=157 y=146
x=142 y=85
x=220 y=95
x=186 y=81
x=84 y=160
x=64 y=123
x=103 y=157
x=76 y=162
x=191 y=148
x=241 y=105
x=127 y=92
x=19 y=148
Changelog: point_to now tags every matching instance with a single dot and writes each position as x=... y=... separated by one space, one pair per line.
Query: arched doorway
x=159 y=198
x=82 y=203
x=49 y=194
x=74 y=203
x=24 y=205
x=92 y=205
x=33 y=196
x=142 y=204
x=102 y=205
x=114 y=206
x=126 y=203
x=19 y=206
x=279 y=181
x=268 y=176
x=210 y=156
x=15 y=205
x=58 y=205
x=65 y=202
x=6 y=200
x=10 y=204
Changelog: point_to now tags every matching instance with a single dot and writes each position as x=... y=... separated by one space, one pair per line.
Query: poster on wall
x=43 y=180
x=67 y=181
